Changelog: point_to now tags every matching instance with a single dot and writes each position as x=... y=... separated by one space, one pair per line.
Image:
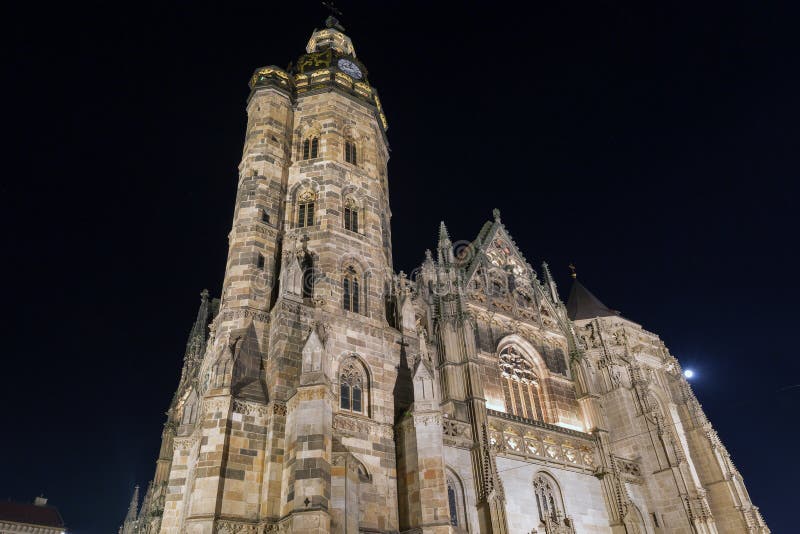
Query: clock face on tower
x=348 y=67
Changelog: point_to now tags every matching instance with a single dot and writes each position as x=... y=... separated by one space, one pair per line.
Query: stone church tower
x=325 y=393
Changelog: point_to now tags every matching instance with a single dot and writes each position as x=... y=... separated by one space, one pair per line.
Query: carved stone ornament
x=279 y=408
x=212 y=406
x=250 y=408
x=244 y=313
x=350 y=425
x=427 y=419
x=184 y=444
x=236 y=527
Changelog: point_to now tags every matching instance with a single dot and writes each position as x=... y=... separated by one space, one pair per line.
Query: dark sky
x=653 y=144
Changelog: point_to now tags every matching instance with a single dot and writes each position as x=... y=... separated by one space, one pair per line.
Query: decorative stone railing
x=512 y=436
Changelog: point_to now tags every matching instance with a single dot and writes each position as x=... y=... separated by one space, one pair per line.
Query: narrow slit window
x=356 y=399
x=355 y=296
x=451 y=501
x=314 y=147
x=346 y=293
x=261 y=261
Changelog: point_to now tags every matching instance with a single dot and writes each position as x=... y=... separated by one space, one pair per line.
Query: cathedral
x=325 y=393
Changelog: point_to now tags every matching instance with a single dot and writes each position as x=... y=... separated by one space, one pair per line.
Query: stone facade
x=325 y=393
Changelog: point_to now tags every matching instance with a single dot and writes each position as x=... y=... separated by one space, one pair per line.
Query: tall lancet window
x=520 y=385
x=310 y=147
x=353 y=386
x=350 y=290
x=551 y=506
x=350 y=152
x=350 y=215
x=305 y=209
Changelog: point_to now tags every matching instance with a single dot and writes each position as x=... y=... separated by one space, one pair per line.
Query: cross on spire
x=330 y=6
x=332 y=21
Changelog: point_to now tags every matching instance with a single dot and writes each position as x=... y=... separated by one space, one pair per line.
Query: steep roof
x=582 y=304
x=31 y=514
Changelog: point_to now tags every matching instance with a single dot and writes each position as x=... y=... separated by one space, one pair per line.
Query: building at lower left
x=31 y=518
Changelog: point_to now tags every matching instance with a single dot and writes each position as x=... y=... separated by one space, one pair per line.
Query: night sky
x=655 y=146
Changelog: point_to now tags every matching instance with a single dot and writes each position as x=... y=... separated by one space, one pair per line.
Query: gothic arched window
x=350 y=152
x=311 y=147
x=350 y=290
x=350 y=215
x=551 y=506
x=353 y=392
x=305 y=209
x=520 y=385
x=455 y=502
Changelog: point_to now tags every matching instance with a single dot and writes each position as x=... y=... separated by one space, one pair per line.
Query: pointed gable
x=424 y=388
x=498 y=247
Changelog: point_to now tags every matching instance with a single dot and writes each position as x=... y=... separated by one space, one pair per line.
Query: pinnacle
x=443 y=234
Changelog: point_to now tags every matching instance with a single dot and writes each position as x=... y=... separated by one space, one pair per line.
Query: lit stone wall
x=582 y=494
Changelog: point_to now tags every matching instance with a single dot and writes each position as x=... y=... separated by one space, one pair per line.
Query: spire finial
x=204 y=295
x=573 y=274
x=496 y=215
x=332 y=21
x=330 y=6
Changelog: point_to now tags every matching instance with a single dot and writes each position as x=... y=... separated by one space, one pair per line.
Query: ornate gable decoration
x=497 y=251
